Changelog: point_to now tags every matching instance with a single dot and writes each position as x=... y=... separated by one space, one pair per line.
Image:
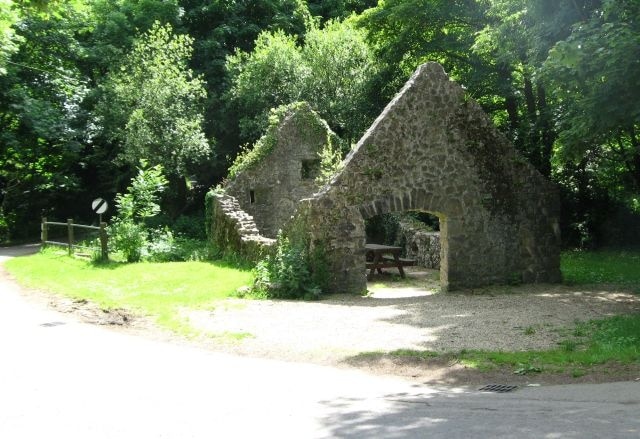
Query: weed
x=529 y=330
x=568 y=345
x=526 y=368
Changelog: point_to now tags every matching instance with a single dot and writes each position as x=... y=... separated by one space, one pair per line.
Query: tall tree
x=331 y=71
x=40 y=119
x=152 y=107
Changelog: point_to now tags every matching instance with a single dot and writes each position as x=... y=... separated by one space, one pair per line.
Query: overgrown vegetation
x=302 y=114
x=161 y=290
x=289 y=273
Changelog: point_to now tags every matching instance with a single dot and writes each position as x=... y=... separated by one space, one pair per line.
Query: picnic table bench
x=385 y=256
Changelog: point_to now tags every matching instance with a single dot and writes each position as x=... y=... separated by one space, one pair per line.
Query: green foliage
x=330 y=160
x=129 y=238
x=128 y=233
x=330 y=155
x=190 y=226
x=330 y=71
x=599 y=103
x=8 y=17
x=152 y=104
x=286 y=274
x=141 y=199
x=340 y=65
x=270 y=76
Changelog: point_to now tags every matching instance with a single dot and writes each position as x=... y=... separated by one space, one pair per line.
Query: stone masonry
x=271 y=188
x=434 y=149
x=234 y=231
x=420 y=243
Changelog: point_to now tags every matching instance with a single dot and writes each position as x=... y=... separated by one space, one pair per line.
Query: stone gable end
x=434 y=149
x=270 y=189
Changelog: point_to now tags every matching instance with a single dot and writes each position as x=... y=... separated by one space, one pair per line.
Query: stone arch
x=434 y=149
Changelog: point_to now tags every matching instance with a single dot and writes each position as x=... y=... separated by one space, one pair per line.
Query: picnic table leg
x=376 y=260
x=396 y=257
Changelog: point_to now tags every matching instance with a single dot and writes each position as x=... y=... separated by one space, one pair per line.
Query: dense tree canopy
x=88 y=88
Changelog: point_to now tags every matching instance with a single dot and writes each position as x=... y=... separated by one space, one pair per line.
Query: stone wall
x=234 y=231
x=271 y=187
x=420 y=244
x=434 y=149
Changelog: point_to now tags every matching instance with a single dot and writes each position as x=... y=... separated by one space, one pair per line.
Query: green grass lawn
x=592 y=267
x=156 y=289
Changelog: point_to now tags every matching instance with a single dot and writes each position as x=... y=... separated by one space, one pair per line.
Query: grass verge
x=160 y=290
x=612 y=340
x=605 y=266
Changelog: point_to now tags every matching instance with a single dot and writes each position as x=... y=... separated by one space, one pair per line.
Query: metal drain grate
x=52 y=324
x=498 y=388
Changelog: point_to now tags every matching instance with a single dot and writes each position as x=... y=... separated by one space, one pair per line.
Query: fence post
x=103 y=241
x=43 y=231
x=70 y=234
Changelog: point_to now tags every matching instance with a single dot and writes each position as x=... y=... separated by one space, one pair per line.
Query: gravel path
x=410 y=315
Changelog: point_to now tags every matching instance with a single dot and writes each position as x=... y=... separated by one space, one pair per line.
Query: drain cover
x=51 y=324
x=498 y=388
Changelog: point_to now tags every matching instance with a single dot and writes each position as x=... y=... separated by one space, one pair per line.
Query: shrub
x=129 y=238
x=286 y=274
x=128 y=232
x=190 y=227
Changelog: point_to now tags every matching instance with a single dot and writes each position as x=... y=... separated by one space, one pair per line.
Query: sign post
x=99 y=206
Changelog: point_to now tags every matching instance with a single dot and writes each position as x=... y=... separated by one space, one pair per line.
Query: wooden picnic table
x=385 y=256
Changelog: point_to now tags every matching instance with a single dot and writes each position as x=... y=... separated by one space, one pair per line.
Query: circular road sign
x=99 y=206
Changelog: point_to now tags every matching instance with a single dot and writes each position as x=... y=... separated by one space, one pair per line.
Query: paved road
x=63 y=379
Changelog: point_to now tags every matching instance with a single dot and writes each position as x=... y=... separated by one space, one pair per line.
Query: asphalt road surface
x=63 y=379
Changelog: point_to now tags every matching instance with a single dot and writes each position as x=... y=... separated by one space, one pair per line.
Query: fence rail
x=71 y=244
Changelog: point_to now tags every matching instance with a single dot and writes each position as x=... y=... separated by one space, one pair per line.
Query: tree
x=407 y=33
x=152 y=104
x=219 y=28
x=270 y=76
x=340 y=66
x=115 y=25
x=8 y=44
x=593 y=77
x=331 y=71
x=152 y=108
x=40 y=120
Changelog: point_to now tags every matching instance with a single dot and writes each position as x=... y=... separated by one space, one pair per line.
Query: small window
x=252 y=196
x=310 y=169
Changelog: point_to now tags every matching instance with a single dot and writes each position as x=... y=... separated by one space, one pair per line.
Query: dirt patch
x=91 y=313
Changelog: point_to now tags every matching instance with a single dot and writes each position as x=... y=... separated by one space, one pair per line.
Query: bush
x=286 y=274
x=129 y=238
x=192 y=227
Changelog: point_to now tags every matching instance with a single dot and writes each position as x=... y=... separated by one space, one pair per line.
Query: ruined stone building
x=432 y=149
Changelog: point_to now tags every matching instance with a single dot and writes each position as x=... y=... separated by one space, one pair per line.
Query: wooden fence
x=70 y=243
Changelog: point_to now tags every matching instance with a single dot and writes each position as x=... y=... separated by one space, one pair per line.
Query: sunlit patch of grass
x=155 y=289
